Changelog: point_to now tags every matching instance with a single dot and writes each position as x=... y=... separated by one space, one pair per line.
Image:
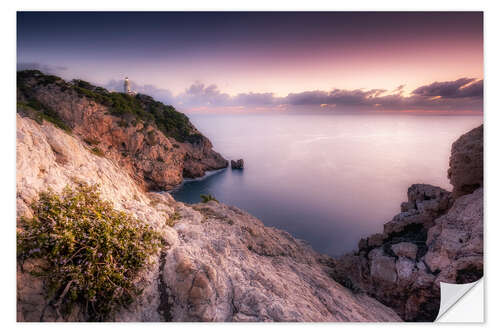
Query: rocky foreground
x=219 y=262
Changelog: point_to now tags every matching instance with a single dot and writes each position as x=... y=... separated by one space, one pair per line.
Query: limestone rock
x=382 y=267
x=427 y=247
x=405 y=269
x=425 y=203
x=405 y=249
x=466 y=162
x=456 y=241
x=375 y=240
x=229 y=267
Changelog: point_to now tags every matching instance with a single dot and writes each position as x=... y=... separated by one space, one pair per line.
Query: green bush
x=208 y=197
x=92 y=251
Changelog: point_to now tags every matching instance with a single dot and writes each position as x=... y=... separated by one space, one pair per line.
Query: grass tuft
x=208 y=197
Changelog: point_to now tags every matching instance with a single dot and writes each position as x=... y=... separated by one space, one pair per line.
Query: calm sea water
x=327 y=179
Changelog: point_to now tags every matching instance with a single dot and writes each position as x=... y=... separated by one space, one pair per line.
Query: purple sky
x=323 y=61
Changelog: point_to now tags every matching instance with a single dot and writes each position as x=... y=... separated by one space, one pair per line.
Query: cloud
x=48 y=69
x=356 y=97
x=473 y=90
x=251 y=98
x=198 y=94
x=399 y=89
x=464 y=87
x=464 y=94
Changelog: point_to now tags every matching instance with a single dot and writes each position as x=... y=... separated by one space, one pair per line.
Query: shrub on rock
x=91 y=252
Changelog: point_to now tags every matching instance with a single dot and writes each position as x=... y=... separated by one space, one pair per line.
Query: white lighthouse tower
x=126 y=87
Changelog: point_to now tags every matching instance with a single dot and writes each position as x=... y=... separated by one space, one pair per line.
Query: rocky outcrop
x=466 y=163
x=455 y=242
x=238 y=164
x=219 y=264
x=437 y=237
x=155 y=161
x=227 y=266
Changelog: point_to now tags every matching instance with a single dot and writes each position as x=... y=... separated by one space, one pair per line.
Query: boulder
x=382 y=267
x=425 y=203
x=457 y=238
x=466 y=163
x=237 y=164
x=405 y=249
x=405 y=269
x=376 y=240
x=428 y=199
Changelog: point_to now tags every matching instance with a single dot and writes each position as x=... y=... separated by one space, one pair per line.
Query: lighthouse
x=126 y=87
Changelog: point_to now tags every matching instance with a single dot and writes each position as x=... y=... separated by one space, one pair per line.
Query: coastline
x=189 y=180
x=220 y=263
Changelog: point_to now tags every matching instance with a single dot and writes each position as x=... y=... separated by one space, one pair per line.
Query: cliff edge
x=154 y=143
x=437 y=237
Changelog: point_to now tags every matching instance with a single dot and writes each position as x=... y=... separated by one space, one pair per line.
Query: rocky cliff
x=154 y=143
x=219 y=263
x=437 y=237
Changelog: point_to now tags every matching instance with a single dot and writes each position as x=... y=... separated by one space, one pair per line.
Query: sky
x=268 y=61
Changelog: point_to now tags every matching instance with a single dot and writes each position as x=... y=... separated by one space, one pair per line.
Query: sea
x=327 y=179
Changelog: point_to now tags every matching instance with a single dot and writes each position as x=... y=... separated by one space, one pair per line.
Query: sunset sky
x=398 y=62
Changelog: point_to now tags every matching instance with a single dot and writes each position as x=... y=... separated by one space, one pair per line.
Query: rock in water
x=238 y=164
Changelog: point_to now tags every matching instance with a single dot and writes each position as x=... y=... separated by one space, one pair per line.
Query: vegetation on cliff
x=208 y=197
x=29 y=105
x=91 y=252
x=131 y=108
x=40 y=112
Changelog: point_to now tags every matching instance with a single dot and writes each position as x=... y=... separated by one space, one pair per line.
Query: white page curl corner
x=461 y=302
